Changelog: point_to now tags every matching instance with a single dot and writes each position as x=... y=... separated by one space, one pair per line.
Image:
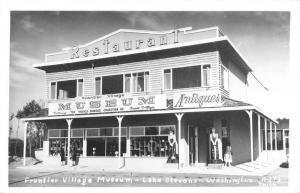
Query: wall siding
x=155 y=68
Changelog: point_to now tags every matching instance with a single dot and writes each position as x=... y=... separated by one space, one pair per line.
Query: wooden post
x=258 y=127
x=271 y=137
x=120 y=118
x=69 y=121
x=179 y=117
x=249 y=112
x=25 y=139
x=275 y=127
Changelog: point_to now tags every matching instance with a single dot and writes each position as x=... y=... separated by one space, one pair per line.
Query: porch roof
x=228 y=105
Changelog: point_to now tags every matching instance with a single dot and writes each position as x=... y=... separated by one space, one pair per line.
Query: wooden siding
x=155 y=68
x=221 y=62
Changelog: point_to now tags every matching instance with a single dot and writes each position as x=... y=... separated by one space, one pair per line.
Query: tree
x=34 y=129
x=11 y=117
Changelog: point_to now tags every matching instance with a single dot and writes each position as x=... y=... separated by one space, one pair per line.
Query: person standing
x=74 y=155
x=62 y=156
x=228 y=156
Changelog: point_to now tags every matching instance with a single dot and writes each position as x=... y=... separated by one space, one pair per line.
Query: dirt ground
x=15 y=161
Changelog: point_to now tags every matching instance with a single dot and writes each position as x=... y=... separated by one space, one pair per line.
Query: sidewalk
x=252 y=169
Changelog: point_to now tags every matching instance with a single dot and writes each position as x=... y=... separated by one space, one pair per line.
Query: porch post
x=271 y=137
x=266 y=138
x=127 y=143
x=249 y=112
x=180 y=153
x=258 y=127
x=69 y=121
x=120 y=118
x=25 y=140
x=275 y=127
x=84 y=145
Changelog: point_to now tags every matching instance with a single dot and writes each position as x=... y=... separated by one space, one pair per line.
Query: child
x=228 y=156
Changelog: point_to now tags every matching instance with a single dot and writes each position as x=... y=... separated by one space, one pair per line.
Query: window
x=151 y=130
x=66 y=89
x=186 y=77
x=206 y=75
x=112 y=84
x=167 y=79
x=98 y=85
x=137 y=131
x=106 y=132
x=127 y=82
x=137 y=82
x=224 y=78
x=123 y=132
x=53 y=90
x=80 y=87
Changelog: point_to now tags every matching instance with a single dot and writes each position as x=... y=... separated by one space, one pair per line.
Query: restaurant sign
x=197 y=99
x=110 y=103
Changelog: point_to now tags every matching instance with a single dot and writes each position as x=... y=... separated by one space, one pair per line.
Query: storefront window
x=55 y=145
x=150 y=141
x=105 y=146
x=152 y=146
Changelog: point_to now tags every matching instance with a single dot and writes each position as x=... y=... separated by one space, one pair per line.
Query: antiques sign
x=110 y=103
x=197 y=99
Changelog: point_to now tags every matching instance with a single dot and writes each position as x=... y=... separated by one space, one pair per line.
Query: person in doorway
x=62 y=156
x=228 y=156
x=74 y=156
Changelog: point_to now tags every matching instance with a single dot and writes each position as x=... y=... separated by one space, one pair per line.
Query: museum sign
x=110 y=103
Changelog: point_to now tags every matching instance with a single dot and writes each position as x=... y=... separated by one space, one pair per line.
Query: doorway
x=193 y=144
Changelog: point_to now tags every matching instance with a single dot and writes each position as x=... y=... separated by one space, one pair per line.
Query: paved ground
x=72 y=177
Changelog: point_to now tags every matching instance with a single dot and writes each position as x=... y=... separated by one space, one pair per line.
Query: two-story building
x=119 y=96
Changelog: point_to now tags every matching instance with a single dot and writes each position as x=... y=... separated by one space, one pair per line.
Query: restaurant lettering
x=197 y=99
x=117 y=103
x=107 y=46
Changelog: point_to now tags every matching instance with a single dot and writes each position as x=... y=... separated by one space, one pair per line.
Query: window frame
x=182 y=66
x=63 y=80
x=95 y=86
x=131 y=81
x=223 y=78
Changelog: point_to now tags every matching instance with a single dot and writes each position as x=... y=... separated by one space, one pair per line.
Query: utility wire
x=259 y=82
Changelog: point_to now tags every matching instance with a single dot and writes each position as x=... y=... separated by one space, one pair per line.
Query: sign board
x=198 y=99
x=110 y=103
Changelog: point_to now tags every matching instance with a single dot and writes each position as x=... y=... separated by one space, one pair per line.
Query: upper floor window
x=137 y=82
x=98 y=85
x=187 y=77
x=224 y=78
x=127 y=83
x=66 y=89
x=112 y=84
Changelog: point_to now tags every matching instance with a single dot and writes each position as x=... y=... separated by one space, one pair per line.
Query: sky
x=261 y=37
